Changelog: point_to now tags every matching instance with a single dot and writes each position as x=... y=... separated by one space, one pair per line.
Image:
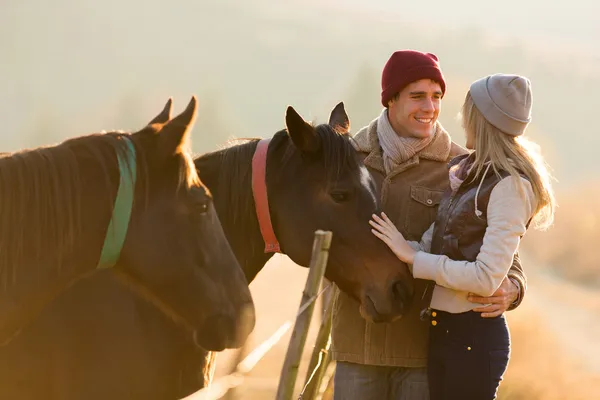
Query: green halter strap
x=119 y=222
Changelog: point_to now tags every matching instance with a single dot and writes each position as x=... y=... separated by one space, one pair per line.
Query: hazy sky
x=74 y=67
x=574 y=23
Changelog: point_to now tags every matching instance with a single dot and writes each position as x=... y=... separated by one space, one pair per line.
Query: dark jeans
x=371 y=382
x=468 y=355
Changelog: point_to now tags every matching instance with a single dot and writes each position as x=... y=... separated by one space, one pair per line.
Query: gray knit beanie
x=505 y=101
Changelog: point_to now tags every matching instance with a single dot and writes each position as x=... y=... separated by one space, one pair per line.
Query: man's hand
x=499 y=302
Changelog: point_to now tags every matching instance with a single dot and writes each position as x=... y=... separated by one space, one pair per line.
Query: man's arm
x=508 y=296
x=517 y=276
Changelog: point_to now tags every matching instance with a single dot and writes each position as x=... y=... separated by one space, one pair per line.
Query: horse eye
x=199 y=200
x=339 y=197
x=203 y=208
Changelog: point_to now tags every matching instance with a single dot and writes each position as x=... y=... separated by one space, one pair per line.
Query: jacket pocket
x=422 y=210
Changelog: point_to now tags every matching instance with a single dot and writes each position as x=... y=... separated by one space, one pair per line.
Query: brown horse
x=98 y=208
x=314 y=180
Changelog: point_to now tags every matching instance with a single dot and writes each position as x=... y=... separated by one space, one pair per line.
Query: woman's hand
x=385 y=230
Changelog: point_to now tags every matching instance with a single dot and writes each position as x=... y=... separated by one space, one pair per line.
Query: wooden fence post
x=318 y=263
x=320 y=358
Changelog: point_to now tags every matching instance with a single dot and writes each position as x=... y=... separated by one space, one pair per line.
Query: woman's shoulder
x=510 y=184
x=512 y=190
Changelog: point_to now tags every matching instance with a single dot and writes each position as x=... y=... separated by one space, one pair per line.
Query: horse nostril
x=400 y=293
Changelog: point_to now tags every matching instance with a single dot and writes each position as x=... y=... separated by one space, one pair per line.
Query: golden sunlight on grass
x=541 y=368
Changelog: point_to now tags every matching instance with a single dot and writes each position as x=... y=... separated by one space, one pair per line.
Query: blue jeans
x=370 y=382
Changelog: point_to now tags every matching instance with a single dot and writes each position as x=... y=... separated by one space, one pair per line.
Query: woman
x=495 y=193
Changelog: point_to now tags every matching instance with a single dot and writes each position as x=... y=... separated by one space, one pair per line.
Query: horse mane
x=336 y=152
x=232 y=164
x=41 y=200
x=233 y=178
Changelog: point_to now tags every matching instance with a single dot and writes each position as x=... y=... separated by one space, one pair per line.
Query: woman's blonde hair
x=513 y=154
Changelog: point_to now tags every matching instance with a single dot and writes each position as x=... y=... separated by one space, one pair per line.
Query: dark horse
x=314 y=180
x=136 y=198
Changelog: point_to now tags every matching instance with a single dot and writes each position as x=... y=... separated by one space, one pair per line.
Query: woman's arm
x=507 y=215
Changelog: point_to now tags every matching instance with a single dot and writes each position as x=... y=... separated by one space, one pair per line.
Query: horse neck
x=228 y=175
x=46 y=270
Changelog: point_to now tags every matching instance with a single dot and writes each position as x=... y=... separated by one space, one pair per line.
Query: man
x=406 y=150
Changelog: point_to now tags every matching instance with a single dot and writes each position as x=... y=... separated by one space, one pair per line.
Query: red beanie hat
x=405 y=67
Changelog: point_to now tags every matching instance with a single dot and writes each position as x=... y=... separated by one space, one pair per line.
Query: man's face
x=414 y=112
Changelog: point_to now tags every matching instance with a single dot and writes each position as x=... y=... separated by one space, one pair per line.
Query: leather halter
x=261 y=201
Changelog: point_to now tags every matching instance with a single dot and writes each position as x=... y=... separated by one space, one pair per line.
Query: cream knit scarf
x=397 y=149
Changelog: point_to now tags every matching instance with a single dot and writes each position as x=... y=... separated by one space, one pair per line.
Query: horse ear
x=302 y=134
x=338 y=119
x=174 y=134
x=164 y=115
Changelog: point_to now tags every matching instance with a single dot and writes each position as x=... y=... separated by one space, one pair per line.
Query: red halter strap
x=259 y=191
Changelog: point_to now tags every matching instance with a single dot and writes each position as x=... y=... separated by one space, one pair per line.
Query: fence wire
x=221 y=386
